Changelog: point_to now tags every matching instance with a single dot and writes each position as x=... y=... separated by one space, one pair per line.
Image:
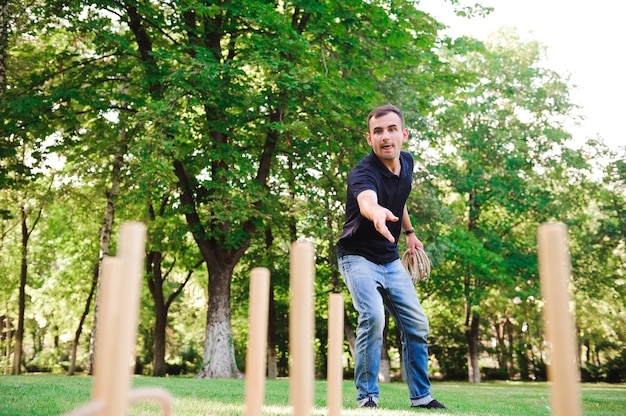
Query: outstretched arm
x=379 y=215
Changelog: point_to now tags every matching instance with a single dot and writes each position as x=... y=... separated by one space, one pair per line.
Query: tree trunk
x=471 y=336
x=4 y=43
x=162 y=303
x=19 y=334
x=219 y=352
x=498 y=329
x=106 y=230
x=509 y=330
x=161 y=308
x=472 y=319
x=503 y=336
x=272 y=359
x=79 y=330
x=155 y=259
x=9 y=336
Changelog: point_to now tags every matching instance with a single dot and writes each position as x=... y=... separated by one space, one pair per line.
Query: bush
x=590 y=373
x=616 y=369
x=452 y=361
x=46 y=362
x=489 y=373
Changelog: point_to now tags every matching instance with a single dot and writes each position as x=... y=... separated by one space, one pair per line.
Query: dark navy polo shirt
x=359 y=236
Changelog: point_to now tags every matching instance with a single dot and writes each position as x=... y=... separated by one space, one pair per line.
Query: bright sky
x=585 y=39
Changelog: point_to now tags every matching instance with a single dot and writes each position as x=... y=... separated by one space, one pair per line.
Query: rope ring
x=417 y=266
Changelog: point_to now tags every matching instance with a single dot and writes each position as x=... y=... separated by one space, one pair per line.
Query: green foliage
x=447 y=342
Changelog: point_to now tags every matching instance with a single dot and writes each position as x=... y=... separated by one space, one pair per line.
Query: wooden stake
x=110 y=286
x=335 y=353
x=554 y=272
x=256 y=354
x=301 y=327
x=117 y=330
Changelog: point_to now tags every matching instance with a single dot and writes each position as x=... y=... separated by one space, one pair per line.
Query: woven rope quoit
x=418 y=265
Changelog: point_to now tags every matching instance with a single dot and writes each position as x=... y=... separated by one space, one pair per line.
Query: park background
x=229 y=129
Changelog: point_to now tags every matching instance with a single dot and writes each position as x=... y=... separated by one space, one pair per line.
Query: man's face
x=386 y=136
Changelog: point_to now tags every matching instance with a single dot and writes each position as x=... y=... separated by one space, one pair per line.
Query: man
x=376 y=213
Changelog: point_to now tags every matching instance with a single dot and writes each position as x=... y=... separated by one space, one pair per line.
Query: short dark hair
x=383 y=110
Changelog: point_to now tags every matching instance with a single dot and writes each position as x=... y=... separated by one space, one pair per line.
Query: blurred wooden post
x=554 y=272
x=106 y=330
x=301 y=327
x=117 y=342
x=334 y=375
x=257 y=341
x=116 y=337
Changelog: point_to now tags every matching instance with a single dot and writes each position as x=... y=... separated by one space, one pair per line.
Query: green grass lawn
x=55 y=395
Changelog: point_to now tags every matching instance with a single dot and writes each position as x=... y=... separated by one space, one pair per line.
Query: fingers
x=381 y=227
x=413 y=243
x=380 y=223
x=387 y=234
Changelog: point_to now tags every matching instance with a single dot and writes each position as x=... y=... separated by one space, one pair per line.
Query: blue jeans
x=374 y=287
